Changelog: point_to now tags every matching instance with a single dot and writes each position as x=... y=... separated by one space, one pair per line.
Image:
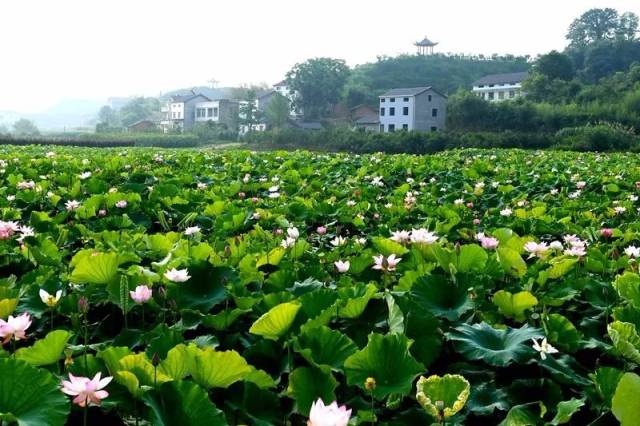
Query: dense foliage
x=597 y=137
x=239 y=287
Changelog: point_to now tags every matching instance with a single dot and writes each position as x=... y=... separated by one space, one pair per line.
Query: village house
x=182 y=112
x=418 y=108
x=500 y=87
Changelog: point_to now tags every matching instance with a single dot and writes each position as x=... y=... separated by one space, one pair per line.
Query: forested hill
x=446 y=73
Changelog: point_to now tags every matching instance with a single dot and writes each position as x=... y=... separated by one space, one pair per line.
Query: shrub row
x=103 y=140
x=600 y=137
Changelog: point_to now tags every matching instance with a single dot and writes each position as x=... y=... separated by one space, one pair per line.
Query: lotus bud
x=83 y=305
x=606 y=232
x=241 y=195
x=155 y=359
x=476 y=221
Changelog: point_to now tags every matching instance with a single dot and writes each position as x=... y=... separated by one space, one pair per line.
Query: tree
x=248 y=112
x=467 y=111
x=593 y=25
x=24 y=127
x=108 y=120
x=555 y=65
x=138 y=109
x=319 y=83
x=627 y=27
x=278 y=111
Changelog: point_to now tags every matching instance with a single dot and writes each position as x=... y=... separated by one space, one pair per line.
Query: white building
x=183 y=112
x=500 y=87
x=284 y=89
x=417 y=108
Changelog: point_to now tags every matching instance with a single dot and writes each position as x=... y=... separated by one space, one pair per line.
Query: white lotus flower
x=544 y=348
x=49 y=299
x=177 y=275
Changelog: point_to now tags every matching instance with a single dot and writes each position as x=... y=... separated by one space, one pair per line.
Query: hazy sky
x=55 y=49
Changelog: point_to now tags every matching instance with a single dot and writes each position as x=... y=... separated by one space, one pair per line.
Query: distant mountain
x=211 y=93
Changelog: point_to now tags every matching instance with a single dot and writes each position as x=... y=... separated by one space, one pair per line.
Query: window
x=500 y=95
x=491 y=96
x=434 y=112
x=405 y=127
x=481 y=86
x=382 y=112
x=383 y=100
x=512 y=94
x=491 y=85
x=405 y=111
x=392 y=127
x=215 y=112
x=209 y=112
x=434 y=129
x=392 y=111
x=405 y=99
x=429 y=98
x=173 y=115
x=392 y=99
x=382 y=127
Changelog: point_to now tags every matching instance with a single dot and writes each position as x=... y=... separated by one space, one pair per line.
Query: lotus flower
x=192 y=230
x=49 y=299
x=544 y=348
x=534 y=249
x=330 y=415
x=177 y=275
x=71 y=205
x=422 y=236
x=141 y=295
x=489 y=243
x=14 y=327
x=400 y=236
x=342 y=266
x=632 y=251
x=321 y=230
x=293 y=232
x=85 y=390
x=121 y=204
x=386 y=264
x=7 y=229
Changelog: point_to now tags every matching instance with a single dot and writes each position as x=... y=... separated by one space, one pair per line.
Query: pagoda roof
x=425 y=42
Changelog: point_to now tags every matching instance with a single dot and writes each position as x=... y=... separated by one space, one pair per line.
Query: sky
x=93 y=49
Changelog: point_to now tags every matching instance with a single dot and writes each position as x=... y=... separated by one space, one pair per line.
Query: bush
x=104 y=140
x=599 y=137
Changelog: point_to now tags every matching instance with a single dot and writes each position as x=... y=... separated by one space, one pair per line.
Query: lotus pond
x=186 y=287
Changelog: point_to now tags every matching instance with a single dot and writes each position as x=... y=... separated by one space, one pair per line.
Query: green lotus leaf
x=7 y=306
x=485 y=399
x=95 y=268
x=276 y=322
x=565 y=410
x=562 y=333
x=495 y=347
x=625 y=339
x=307 y=384
x=45 y=351
x=524 y=415
x=388 y=361
x=441 y=297
x=30 y=396
x=219 y=369
x=511 y=262
x=606 y=380
x=628 y=287
x=180 y=361
x=205 y=288
x=442 y=397
x=182 y=403
x=354 y=300
x=514 y=305
x=388 y=247
x=625 y=404
x=324 y=346
x=141 y=367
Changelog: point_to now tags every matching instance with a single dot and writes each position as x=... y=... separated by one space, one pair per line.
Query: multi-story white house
x=417 y=108
x=500 y=87
x=182 y=112
x=284 y=89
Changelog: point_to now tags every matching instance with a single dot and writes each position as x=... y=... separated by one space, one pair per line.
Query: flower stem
x=86 y=411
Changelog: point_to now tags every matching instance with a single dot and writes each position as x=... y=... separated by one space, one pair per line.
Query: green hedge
x=602 y=137
x=104 y=140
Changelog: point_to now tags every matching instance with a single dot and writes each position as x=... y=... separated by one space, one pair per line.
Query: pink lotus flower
x=321 y=230
x=387 y=264
x=86 y=391
x=177 y=275
x=141 y=295
x=14 y=327
x=489 y=243
x=330 y=415
x=7 y=229
x=534 y=249
x=342 y=266
x=121 y=204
